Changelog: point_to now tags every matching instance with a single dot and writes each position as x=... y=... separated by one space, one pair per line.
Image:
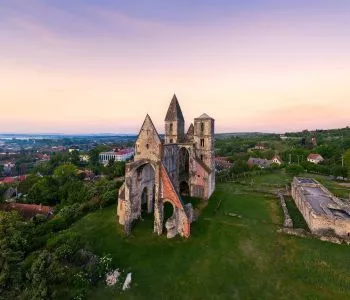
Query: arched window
x=202 y=127
x=171 y=128
x=171 y=141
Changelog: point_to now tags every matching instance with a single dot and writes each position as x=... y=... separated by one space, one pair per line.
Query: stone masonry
x=163 y=170
x=321 y=210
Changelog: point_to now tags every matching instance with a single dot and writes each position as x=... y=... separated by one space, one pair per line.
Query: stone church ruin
x=163 y=170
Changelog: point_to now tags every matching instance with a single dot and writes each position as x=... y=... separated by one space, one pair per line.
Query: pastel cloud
x=86 y=66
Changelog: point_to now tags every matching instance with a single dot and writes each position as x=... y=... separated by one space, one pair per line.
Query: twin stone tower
x=164 y=170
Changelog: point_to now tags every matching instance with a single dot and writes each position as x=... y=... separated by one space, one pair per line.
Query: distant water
x=9 y=136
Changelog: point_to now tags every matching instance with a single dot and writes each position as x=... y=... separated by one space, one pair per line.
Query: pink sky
x=93 y=69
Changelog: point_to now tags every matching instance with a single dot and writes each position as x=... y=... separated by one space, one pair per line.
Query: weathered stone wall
x=204 y=132
x=176 y=135
x=199 y=181
x=171 y=162
x=288 y=223
x=318 y=223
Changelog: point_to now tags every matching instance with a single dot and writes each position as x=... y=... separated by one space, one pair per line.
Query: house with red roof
x=315 y=158
x=11 y=180
x=117 y=155
x=276 y=160
x=28 y=210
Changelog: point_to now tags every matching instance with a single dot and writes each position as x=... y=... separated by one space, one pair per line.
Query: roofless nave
x=162 y=171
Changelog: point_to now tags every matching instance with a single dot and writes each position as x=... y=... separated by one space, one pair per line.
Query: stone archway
x=141 y=183
x=170 y=219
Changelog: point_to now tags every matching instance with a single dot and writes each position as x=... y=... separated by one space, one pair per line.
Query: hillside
x=226 y=257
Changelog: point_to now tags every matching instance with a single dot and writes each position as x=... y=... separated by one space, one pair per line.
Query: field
x=226 y=257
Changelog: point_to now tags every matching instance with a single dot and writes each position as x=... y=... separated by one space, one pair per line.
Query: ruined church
x=165 y=170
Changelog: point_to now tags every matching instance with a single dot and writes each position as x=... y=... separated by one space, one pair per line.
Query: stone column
x=127 y=206
x=158 y=205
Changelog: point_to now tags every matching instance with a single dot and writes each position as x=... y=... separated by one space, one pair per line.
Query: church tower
x=204 y=139
x=174 y=123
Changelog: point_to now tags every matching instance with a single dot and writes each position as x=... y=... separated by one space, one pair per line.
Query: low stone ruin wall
x=318 y=223
x=288 y=223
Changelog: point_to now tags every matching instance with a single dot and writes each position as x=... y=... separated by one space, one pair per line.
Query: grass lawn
x=295 y=214
x=225 y=257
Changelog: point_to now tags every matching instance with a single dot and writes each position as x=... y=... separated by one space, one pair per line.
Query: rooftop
x=204 y=116
x=174 y=111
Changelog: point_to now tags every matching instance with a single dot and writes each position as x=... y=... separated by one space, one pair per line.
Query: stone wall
x=318 y=223
x=288 y=223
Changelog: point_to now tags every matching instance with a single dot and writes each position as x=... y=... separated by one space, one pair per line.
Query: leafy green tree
x=328 y=151
x=72 y=191
x=3 y=189
x=13 y=244
x=294 y=169
x=45 y=272
x=340 y=171
x=44 y=191
x=94 y=153
x=75 y=158
x=65 y=172
x=25 y=185
x=347 y=159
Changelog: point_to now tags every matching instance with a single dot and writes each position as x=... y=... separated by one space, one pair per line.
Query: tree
x=340 y=171
x=45 y=272
x=65 y=172
x=25 y=185
x=294 y=169
x=75 y=158
x=72 y=191
x=347 y=159
x=44 y=191
x=13 y=244
x=94 y=154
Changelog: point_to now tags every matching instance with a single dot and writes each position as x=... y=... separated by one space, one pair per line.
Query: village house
x=28 y=210
x=11 y=180
x=73 y=148
x=260 y=147
x=283 y=137
x=84 y=157
x=8 y=167
x=43 y=157
x=276 y=160
x=262 y=163
x=315 y=158
x=121 y=155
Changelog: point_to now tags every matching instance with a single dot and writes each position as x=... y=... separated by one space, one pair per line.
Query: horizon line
x=135 y=134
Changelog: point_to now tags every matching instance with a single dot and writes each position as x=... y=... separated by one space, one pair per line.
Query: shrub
x=294 y=169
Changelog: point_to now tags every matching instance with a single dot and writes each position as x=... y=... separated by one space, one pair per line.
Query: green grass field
x=225 y=257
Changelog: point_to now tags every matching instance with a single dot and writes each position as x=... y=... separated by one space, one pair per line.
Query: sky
x=99 y=66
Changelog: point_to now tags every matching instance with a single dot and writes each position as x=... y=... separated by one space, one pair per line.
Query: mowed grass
x=295 y=214
x=225 y=257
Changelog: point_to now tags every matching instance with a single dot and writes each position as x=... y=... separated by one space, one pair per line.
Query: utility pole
x=290 y=158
